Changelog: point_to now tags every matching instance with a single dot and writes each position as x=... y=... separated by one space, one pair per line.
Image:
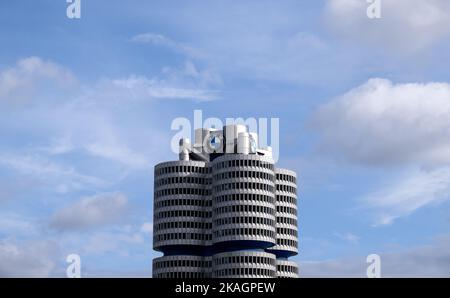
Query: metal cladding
x=226 y=213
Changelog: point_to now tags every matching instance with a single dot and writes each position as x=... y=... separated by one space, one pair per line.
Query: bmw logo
x=214 y=143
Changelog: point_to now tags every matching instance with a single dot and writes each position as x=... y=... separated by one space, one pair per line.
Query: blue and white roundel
x=215 y=143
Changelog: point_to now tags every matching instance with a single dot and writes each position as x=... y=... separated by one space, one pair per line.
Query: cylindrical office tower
x=182 y=218
x=244 y=264
x=286 y=222
x=182 y=266
x=224 y=213
x=243 y=192
x=286 y=269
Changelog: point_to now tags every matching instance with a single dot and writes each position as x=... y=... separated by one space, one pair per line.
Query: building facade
x=223 y=210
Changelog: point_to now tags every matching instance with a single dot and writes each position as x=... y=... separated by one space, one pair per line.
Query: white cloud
x=406 y=25
x=61 y=178
x=401 y=198
x=349 y=237
x=139 y=87
x=271 y=45
x=382 y=123
x=91 y=212
x=27 y=259
x=118 y=152
x=153 y=38
x=423 y=261
x=386 y=125
x=112 y=242
x=164 y=41
x=14 y=224
x=294 y=57
x=59 y=145
x=190 y=75
x=30 y=74
x=147 y=228
x=35 y=76
x=93 y=121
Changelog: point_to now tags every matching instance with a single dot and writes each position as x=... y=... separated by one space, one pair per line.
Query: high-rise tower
x=223 y=210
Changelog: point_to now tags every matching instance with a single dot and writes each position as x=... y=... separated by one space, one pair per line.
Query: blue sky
x=86 y=107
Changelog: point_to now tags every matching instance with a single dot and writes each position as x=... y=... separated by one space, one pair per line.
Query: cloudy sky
x=86 y=108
